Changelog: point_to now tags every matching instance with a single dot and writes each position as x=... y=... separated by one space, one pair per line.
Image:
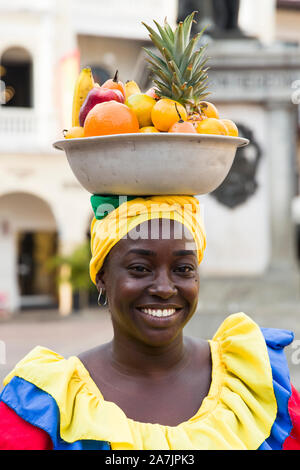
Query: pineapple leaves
x=169 y=30
x=187 y=26
x=178 y=41
x=157 y=40
x=165 y=36
x=176 y=91
x=173 y=67
x=163 y=89
x=187 y=54
x=179 y=71
x=158 y=64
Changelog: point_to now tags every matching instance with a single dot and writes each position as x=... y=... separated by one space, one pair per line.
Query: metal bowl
x=151 y=164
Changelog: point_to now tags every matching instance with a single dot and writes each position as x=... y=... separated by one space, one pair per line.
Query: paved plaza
x=81 y=331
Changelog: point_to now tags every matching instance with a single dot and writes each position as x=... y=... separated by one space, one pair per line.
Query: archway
x=28 y=239
x=16 y=78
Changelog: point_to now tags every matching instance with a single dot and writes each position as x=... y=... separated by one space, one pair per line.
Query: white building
x=43 y=44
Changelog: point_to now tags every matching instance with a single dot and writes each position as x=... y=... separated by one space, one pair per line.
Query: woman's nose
x=163 y=286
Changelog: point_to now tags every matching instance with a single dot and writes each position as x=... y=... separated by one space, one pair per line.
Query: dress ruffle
x=238 y=412
x=38 y=408
x=276 y=341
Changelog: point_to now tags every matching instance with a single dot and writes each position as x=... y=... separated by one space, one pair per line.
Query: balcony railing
x=24 y=130
x=17 y=122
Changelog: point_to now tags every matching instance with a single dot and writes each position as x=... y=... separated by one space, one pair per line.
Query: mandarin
x=109 y=118
x=231 y=127
x=74 y=132
x=209 y=109
x=211 y=126
x=164 y=114
x=148 y=129
x=184 y=127
x=115 y=84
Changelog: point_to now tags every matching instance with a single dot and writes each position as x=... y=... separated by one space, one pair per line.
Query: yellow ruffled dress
x=238 y=412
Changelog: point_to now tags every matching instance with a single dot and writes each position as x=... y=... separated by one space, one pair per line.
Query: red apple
x=98 y=95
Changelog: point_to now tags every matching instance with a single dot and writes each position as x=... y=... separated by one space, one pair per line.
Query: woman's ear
x=100 y=283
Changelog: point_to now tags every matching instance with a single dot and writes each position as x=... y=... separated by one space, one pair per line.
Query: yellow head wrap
x=105 y=233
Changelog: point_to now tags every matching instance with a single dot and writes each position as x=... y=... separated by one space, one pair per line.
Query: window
x=16 y=78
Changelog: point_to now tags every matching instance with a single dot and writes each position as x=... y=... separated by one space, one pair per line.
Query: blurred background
x=252 y=220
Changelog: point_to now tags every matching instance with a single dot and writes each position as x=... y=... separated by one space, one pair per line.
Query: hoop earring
x=100 y=303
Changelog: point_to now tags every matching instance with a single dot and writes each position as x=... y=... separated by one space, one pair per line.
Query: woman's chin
x=159 y=330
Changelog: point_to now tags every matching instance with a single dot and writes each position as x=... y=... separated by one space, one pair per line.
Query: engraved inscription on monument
x=252 y=85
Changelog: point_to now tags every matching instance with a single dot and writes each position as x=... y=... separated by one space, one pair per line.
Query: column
x=281 y=154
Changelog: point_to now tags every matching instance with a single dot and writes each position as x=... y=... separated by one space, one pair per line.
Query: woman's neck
x=128 y=355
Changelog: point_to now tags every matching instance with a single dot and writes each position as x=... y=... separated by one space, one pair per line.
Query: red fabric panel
x=17 y=434
x=293 y=441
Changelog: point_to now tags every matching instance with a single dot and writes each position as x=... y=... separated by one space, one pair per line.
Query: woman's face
x=152 y=283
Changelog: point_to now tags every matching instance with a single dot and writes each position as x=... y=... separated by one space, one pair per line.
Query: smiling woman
x=152 y=286
x=151 y=387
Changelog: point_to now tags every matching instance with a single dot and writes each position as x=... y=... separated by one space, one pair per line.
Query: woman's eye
x=185 y=269
x=143 y=269
x=139 y=269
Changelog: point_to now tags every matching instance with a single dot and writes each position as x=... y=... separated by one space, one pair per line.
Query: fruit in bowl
x=142 y=105
x=110 y=118
x=182 y=126
x=98 y=95
x=131 y=88
x=180 y=75
x=115 y=84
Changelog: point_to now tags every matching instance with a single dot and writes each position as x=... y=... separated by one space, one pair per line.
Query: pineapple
x=179 y=71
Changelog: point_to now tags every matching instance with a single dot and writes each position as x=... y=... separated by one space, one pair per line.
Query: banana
x=84 y=83
x=131 y=87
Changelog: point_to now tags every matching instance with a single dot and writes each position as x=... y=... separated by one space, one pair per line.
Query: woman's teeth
x=159 y=313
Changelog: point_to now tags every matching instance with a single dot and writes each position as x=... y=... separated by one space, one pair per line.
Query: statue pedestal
x=251 y=260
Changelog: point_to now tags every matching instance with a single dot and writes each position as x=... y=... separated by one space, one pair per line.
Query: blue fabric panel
x=40 y=409
x=276 y=340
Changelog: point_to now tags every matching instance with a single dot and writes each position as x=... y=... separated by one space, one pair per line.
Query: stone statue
x=221 y=16
x=226 y=13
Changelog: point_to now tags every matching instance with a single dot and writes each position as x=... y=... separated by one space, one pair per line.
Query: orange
x=209 y=109
x=148 y=129
x=231 y=127
x=211 y=126
x=184 y=127
x=109 y=118
x=164 y=114
x=115 y=84
x=74 y=132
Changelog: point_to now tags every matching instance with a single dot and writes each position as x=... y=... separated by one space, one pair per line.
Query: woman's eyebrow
x=184 y=253
x=141 y=251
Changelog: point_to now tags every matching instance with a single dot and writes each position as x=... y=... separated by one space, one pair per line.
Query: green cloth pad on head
x=103 y=205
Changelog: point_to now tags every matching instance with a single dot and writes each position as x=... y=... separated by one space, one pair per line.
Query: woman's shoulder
x=238 y=325
x=38 y=400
